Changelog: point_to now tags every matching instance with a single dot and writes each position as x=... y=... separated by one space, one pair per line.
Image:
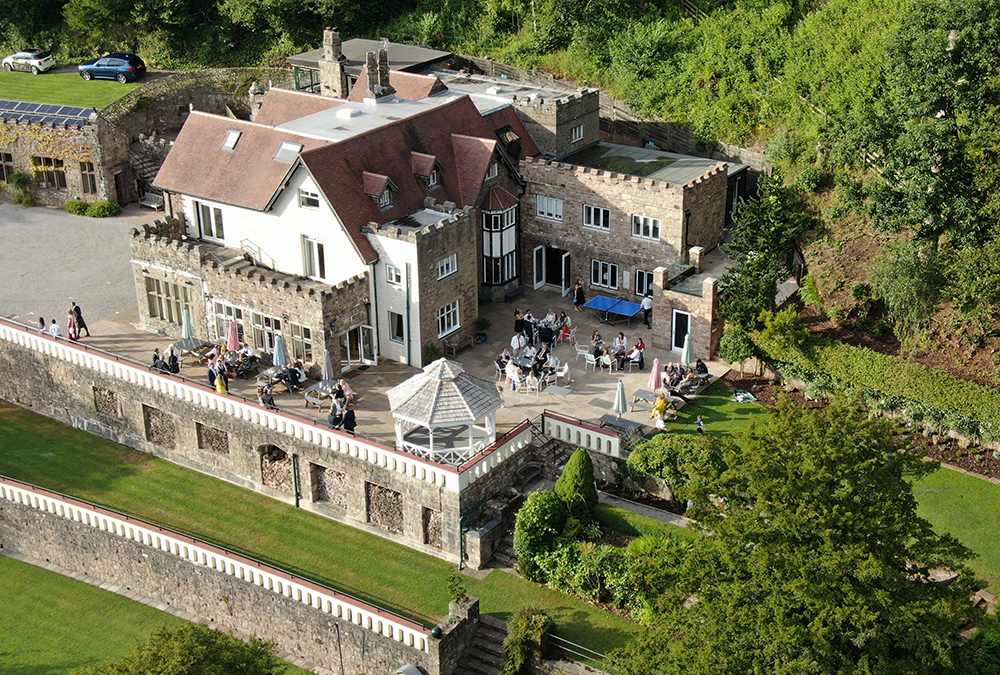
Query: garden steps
x=483 y=657
x=504 y=556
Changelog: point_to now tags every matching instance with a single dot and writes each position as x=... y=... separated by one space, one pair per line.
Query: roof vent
x=346 y=113
x=493 y=90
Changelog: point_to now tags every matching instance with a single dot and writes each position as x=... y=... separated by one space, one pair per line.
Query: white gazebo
x=444 y=414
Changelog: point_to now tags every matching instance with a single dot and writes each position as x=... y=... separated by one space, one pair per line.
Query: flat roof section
x=409 y=58
x=490 y=93
x=418 y=220
x=668 y=167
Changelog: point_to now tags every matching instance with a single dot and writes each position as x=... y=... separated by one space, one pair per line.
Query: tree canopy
x=815 y=560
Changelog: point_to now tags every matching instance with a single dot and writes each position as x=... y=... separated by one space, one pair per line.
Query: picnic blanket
x=743 y=396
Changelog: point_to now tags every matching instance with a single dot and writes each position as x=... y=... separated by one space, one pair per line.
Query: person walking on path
x=579 y=299
x=701 y=425
x=647 y=310
x=80 y=323
x=55 y=330
x=72 y=332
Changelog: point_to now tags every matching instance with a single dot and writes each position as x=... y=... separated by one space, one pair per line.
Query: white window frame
x=265 y=330
x=224 y=313
x=549 y=208
x=604 y=274
x=647 y=282
x=313 y=258
x=499 y=265
x=393 y=275
x=576 y=134
x=597 y=217
x=433 y=178
x=213 y=214
x=167 y=300
x=447 y=266
x=308 y=200
x=492 y=170
x=645 y=227
x=402 y=326
x=302 y=345
x=232 y=138
x=449 y=319
x=385 y=199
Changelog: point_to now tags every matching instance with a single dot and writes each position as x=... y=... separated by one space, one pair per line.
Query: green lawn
x=61 y=88
x=722 y=416
x=635 y=525
x=63 y=624
x=38 y=450
x=968 y=508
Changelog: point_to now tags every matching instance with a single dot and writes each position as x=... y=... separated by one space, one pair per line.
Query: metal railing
x=583 y=654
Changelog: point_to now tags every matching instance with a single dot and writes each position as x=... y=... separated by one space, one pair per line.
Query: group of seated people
x=168 y=362
x=542 y=370
x=530 y=331
x=293 y=376
x=683 y=380
x=618 y=353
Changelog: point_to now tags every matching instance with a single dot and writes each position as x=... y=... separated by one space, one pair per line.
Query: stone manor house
x=372 y=217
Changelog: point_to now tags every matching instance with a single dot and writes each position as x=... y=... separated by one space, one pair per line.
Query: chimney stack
x=377 y=70
x=332 y=76
x=331 y=45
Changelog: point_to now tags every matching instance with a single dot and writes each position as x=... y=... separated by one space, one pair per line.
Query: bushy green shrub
x=77 y=207
x=431 y=353
x=679 y=459
x=103 y=209
x=861 y=291
x=540 y=521
x=24 y=198
x=735 y=345
x=576 y=486
x=20 y=180
x=809 y=293
x=810 y=179
x=525 y=641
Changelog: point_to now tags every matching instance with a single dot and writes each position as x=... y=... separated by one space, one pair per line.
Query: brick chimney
x=377 y=70
x=333 y=80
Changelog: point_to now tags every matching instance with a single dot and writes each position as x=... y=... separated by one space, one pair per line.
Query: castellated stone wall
x=551 y=122
x=320 y=637
x=706 y=326
x=66 y=392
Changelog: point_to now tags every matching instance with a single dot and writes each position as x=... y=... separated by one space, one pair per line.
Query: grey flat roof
x=489 y=93
x=645 y=162
x=418 y=219
x=409 y=58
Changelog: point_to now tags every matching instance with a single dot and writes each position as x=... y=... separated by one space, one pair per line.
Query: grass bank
x=723 y=416
x=44 y=452
x=66 y=88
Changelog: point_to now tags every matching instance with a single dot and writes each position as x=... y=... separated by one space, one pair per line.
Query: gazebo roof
x=444 y=394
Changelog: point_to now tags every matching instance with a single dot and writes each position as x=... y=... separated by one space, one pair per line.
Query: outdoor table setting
x=524 y=362
x=622 y=310
x=192 y=346
x=272 y=374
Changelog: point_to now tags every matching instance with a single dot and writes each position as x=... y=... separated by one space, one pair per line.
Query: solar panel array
x=46 y=113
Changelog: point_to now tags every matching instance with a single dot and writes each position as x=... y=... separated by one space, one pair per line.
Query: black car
x=117 y=66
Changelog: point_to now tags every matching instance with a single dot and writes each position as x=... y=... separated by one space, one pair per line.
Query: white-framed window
x=603 y=274
x=302 y=347
x=394 y=275
x=448 y=319
x=224 y=313
x=499 y=246
x=314 y=258
x=596 y=217
x=549 y=207
x=308 y=200
x=232 y=138
x=433 y=178
x=492 y=170
x=645 y=227
x=448 y=266
x=287 y=152
x=385 y=199
x=265 y=330
x=397 y=332
x=167 y=300
x=209 y=221
x=643 y=282
x=576 y=133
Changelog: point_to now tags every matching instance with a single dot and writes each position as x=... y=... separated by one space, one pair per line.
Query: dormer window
x=426 y=167
x=232 y=137
x=433 y=179
x=287 y=152
x=379 y=188
x=385 y=199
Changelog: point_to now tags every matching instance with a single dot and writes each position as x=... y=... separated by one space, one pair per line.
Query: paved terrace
x=592 y=393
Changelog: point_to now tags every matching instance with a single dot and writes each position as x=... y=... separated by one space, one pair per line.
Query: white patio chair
x=591 y=361
x=532 y=387
x=581 y=350
x=563 y=374
x=607 y=362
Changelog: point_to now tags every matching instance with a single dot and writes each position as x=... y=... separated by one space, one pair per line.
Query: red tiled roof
x=245 y=176
x=498 y=119
x=283 y=105
x=374 y=183
x=421 y=163
x=339 y=168
x=498 y=198
x=408 y=86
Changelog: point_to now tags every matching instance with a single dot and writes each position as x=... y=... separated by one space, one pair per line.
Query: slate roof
x=339 y=169
x=498 y=198
x=246 y=176
x=284 y=105
x=444 y=395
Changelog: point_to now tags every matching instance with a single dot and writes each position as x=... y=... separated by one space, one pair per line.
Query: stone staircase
x=504 y=556
x=483 y=656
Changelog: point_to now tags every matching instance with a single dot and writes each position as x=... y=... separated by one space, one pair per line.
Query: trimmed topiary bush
x=539 y=523
x=104 y=209
x=77 y=207
x=576 y=486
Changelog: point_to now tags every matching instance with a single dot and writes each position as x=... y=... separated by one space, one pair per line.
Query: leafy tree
x=907 y=278
x=815 y=560
x=766 y=229
x=539 y=523
x=576 y=485
x=680 y=459
x=735 y=346
x=973 y=282
x=194 y=649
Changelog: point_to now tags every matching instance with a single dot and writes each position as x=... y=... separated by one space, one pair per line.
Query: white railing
x=581 y=434
x=301 y=428
x=201 y=554
x=493 y=456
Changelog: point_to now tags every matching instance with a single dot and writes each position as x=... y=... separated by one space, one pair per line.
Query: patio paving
x=591 y=394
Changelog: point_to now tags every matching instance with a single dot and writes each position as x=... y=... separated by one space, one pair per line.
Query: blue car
x=117 y=66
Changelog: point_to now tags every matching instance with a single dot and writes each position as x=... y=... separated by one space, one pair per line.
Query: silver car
x=34 y=61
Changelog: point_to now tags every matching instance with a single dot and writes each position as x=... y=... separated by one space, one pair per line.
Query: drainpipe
x=295 y=478
x=374 y=293
x=409 y=339
x=461 y=536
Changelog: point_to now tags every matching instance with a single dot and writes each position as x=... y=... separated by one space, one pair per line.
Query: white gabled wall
x=278 y=233
x=391 y=297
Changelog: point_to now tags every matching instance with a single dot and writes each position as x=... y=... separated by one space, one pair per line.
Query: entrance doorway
x=551 y=268
x=357 y=347
x=680 y=327
x=554 y=266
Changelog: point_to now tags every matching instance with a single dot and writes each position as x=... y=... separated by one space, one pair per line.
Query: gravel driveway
x=49 y=257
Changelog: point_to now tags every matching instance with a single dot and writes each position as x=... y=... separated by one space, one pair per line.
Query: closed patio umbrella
x=687 y=354
x=187 y=330
x=232 y=342
x=655 y=376
x=279 y=351
x=621 y=404
x=327 y=365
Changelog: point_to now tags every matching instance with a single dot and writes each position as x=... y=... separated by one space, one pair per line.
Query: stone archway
x=276 y=468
